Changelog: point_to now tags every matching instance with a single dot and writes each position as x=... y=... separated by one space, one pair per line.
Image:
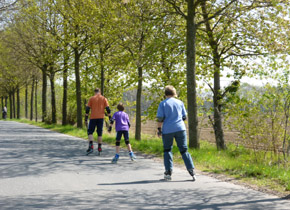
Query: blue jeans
x=181 y=141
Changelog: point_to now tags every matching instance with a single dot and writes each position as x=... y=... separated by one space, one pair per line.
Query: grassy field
x=236 y=162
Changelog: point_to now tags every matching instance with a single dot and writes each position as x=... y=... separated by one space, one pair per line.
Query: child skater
x=122 y=128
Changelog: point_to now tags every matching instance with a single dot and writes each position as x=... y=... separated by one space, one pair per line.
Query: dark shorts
x=120 y=133
x=92 y=126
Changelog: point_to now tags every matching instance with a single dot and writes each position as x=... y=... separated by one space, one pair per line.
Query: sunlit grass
x=237 y=162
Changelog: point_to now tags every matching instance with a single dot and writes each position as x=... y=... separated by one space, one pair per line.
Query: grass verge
x=235 y=162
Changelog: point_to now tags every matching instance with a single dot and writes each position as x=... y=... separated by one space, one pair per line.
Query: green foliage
x=258 y=116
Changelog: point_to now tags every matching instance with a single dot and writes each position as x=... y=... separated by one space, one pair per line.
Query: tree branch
x=217 y=13
x=177 y=8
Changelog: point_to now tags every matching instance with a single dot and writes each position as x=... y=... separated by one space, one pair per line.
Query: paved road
x=41 y=169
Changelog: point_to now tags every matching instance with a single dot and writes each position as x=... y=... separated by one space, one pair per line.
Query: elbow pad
x=87 y=109
x=108 y=110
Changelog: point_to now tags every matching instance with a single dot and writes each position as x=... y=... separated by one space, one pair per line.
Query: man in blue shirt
x=171 y=114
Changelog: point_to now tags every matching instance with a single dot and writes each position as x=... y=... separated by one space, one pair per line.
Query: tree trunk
x=2 y=103
x=18 y=103
x=191 y=77
x=26 y=101
x=14 y=106
x=2 y=106
x=53 y=102
x=31 y=99
x=44 y=92
x=64 y=99
x=217 y=124
x=78 y=89
x=138 y=105
x=102 y=72
x=288 y=149
x=36 y=114
x=10 y=103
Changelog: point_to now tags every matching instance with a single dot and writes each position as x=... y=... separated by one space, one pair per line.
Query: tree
x=234 y=34
x=193 y=22
x=78 y=37
x=137 y=39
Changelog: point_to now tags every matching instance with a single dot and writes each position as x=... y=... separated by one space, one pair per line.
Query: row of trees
x=122 y=45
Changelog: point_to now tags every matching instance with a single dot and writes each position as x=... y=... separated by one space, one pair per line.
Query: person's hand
x=159 y=132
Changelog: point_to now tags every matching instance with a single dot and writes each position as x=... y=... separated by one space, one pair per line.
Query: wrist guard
x=159 y=133
x=87 y=109
x=108 y=110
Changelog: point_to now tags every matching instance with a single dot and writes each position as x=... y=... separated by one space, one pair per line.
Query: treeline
x=121 y=45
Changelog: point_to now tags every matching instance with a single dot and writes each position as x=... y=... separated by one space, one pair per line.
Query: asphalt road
x=41 y=169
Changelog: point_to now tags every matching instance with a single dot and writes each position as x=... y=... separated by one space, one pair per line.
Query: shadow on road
x=138 y=199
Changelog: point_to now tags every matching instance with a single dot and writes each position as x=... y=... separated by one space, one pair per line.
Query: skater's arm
x=111 y=119
x=87 y=115
x=87 y=111
x=159 y=130
x=160 y=118
x=128 y=120
x=184 y=113
x=108 y=112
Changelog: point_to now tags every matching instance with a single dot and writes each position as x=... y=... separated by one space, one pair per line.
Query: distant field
x=206 y=134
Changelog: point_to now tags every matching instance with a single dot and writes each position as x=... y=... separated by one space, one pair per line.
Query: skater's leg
x=126 y=137
x=91 y=129
x=91 y=138
x=117 y=149
x=127 y=142
x=181 y=141
x=118 y=139
x=129 y=147
x=100 y=123
x=100 y=140
x=167 y=147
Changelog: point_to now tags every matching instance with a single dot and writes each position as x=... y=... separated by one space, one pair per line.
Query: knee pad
x=166 y=150
x=118 y=143
x=184 y=151
x=127 y=142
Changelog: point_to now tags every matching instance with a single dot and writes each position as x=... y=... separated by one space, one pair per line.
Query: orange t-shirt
x=98 y=103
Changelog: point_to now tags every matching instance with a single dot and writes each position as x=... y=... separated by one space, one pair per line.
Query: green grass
x=236 y=162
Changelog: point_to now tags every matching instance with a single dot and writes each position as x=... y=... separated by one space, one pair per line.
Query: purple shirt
x=122 y=121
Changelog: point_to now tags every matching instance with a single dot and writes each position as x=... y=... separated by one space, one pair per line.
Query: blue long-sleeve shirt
x=172 y=110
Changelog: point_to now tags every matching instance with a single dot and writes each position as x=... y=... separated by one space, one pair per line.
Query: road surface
x=41 y=169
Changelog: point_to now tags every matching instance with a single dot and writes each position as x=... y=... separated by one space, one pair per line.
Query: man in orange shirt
x=97 y=104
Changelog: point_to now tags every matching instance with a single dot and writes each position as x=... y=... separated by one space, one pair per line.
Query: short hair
x=120 y=107
x=170 y=91
x=97 y=90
